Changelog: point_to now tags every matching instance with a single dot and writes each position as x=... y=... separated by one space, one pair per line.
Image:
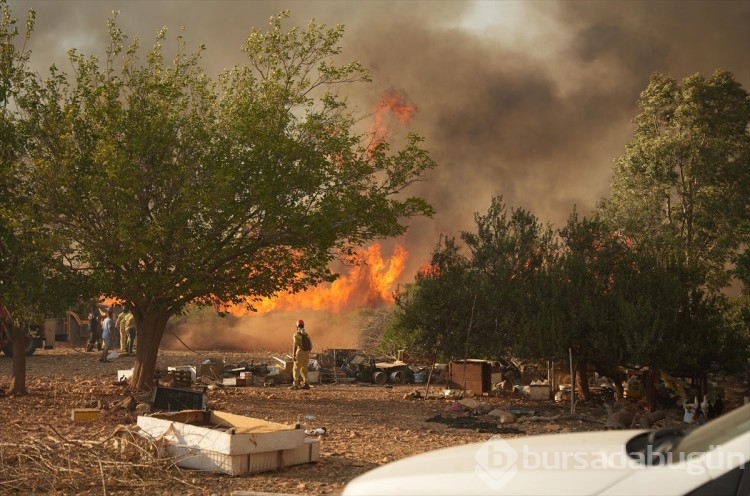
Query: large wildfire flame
x=331 y=311
x=368 y=284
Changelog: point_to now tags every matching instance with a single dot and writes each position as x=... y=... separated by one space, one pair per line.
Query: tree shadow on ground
x=478 y=424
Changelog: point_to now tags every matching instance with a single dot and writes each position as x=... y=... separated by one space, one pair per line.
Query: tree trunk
x=582 y=380
x=148 y=338
x=18 y=371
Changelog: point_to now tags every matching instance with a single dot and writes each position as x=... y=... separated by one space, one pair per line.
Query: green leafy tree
x=32 y=281
x=684 y=180
x=736 y=345
x=475 y=295
x=14 y=269
x=742 y=270
x=601 y=300
x=433 y=316
x=171 y=188
x=577 y=303
x=613 y=302
x=508 y=251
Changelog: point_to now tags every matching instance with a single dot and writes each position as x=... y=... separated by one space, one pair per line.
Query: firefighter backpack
x=306 y=343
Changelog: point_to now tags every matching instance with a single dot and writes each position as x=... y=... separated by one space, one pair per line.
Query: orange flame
x=368 y=284
x=394 y=104
x=110 y=302
x=428 y=270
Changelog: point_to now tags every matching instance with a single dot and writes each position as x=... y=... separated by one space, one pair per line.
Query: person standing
x=115 y=337
x=301 y=346
x=108 y=331
x=122 y=331
x=130 y=330
x=95 y=336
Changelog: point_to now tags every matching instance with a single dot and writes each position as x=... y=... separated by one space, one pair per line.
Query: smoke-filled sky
x=530 y=99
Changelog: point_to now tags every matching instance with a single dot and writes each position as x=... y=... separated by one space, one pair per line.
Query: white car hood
x=559 y=464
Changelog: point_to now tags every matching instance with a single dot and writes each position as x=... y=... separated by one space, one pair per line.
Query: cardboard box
x=540 y=391
x=234 y=381
x=84 y=414
x=227 y=443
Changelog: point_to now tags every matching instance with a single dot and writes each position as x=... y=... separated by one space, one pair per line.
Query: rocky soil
x=43 y=450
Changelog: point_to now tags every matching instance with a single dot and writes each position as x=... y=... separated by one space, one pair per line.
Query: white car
x=709 y=460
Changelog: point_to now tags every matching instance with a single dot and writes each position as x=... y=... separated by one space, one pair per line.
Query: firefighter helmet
x=300 y=323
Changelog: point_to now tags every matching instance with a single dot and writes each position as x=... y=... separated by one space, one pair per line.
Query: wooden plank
x=242 y=423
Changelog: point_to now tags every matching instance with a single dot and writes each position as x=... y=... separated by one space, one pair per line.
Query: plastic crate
x=168 y=399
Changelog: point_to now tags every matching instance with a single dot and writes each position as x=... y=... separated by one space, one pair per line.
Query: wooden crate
x=473 y=375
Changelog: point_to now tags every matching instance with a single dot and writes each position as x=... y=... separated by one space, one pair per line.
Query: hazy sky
x=531 y=100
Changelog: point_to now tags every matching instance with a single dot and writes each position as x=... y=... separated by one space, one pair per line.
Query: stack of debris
x=330 y=366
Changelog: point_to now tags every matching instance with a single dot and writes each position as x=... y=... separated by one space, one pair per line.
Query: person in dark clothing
x=95 y=331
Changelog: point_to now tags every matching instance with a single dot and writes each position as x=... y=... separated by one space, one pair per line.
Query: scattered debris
x=503 y=416
x=320 y=431
x=414 y=395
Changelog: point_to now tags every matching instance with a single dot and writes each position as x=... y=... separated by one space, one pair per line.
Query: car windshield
x=716 y=432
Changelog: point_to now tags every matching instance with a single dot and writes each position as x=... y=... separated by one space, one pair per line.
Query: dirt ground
x=43 y=450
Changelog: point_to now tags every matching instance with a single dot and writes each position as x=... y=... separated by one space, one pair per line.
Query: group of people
x=111 y=333
x=108 y=333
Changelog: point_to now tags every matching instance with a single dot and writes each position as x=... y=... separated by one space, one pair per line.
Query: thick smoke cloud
x=533 y=103
x=531 y=100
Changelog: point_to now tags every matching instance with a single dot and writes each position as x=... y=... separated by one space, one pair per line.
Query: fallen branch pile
x=121 y=462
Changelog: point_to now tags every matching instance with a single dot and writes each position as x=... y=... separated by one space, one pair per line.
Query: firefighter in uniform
x=301 y=346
